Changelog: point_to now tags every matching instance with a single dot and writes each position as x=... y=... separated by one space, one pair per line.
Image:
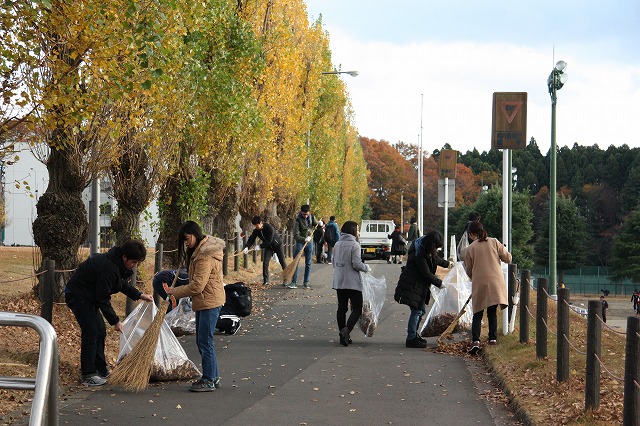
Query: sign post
x=508 y=131
x=447 y=176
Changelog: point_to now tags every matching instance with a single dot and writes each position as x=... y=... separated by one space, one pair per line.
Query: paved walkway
x=286 y=367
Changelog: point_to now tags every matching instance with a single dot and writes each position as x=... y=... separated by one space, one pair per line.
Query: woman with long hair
x=347 y=263
x=202 y=255
x=415 y=282
x=482 y=263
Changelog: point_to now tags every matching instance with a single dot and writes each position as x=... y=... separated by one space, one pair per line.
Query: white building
x=20 y=202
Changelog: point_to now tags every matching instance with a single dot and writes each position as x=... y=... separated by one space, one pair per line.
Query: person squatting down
x=88 y=293
x=347 y=265
x=202 y=255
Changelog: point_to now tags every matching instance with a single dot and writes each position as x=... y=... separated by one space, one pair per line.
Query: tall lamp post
x=556 y=80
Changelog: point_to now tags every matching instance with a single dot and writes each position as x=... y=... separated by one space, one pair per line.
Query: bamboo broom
x=452 y=326
x=134 y=371
x=288 y=272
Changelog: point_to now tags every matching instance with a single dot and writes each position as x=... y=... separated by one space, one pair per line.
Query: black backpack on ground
x=238 y=299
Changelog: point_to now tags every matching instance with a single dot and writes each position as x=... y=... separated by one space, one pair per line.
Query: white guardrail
x=45 y=384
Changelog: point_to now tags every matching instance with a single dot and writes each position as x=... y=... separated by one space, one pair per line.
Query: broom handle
x=175 y=278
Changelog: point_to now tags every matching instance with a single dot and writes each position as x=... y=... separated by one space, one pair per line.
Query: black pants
x=267 y=254
x=94 y=333
x=493 y=324
x=344 y=296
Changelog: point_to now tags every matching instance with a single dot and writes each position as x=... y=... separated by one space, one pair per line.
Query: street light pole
x=556 y=80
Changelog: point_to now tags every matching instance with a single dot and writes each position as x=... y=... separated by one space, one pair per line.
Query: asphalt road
x=286 y=367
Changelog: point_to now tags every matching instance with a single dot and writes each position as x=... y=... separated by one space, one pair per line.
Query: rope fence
x=595 y=364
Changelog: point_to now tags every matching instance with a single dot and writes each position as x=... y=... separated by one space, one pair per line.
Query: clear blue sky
x=440 y=63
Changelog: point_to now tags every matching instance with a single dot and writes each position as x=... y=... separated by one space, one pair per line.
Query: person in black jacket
x=88 y=293
x=415 y=280
x=271 y=243
x=398 y=244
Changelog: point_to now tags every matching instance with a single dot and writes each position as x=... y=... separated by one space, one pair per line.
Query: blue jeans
x=206 y=320
x=414 y=321
x=308 y=252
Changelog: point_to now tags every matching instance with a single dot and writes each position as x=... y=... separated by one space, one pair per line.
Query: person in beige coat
x=482 y=263
x=202 y=255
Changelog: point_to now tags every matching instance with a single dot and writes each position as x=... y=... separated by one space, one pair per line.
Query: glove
x=245 y=250
x=308 y=239
x=257 y=248
x=368 y=268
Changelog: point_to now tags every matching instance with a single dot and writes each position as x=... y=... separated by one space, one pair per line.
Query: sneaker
x=93 y=381
x=104 y=374
x=416 y=343
x=284 y=284
x=493 y=342
x=292 y=285
x=475 y=348
x=234 y=328
x=265 y=283
x=420 y=338
x=216 y=382
x=202 y=385
x=307 y=285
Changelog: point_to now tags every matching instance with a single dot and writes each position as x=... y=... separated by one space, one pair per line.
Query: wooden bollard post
x=245 y=257
x=236 y=246
x=562 y=367
x=511 y=287
x=525 y=285
x=225 y=256
x=157 y=267
x=541 y=318
x=47 y=282
x=631 y=408
x=594 y=334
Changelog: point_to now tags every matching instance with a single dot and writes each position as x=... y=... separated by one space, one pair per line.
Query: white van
x=374 y=239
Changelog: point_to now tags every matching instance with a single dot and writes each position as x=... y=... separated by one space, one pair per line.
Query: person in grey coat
x=347 y=263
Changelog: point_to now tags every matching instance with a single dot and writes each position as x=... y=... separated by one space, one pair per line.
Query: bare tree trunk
x=61 y=226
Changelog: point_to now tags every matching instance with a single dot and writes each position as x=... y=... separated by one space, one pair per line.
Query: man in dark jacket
x=331 y=236
x=415 y=280
x=271 y=243
x=303 y=227
x=88 y=293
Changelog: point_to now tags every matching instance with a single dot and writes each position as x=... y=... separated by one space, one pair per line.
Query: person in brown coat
x=203 y=258
x=482 y=264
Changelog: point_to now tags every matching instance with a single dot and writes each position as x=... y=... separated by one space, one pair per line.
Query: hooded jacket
x=417 y=276
x=100 y=276
x=206 y=285
x=347 y=263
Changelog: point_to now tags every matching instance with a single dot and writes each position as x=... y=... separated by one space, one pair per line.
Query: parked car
x=374 y=239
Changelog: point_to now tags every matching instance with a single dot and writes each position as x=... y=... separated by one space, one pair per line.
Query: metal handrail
x=45 y=383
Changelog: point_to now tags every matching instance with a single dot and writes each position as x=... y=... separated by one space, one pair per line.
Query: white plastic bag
x=170 y=361
x=374 y=291
x=182 y=319
x=463 y=244
x=448 y=302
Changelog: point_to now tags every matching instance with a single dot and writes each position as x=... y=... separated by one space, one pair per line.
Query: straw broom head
x=134 y=371
x=287 y=273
